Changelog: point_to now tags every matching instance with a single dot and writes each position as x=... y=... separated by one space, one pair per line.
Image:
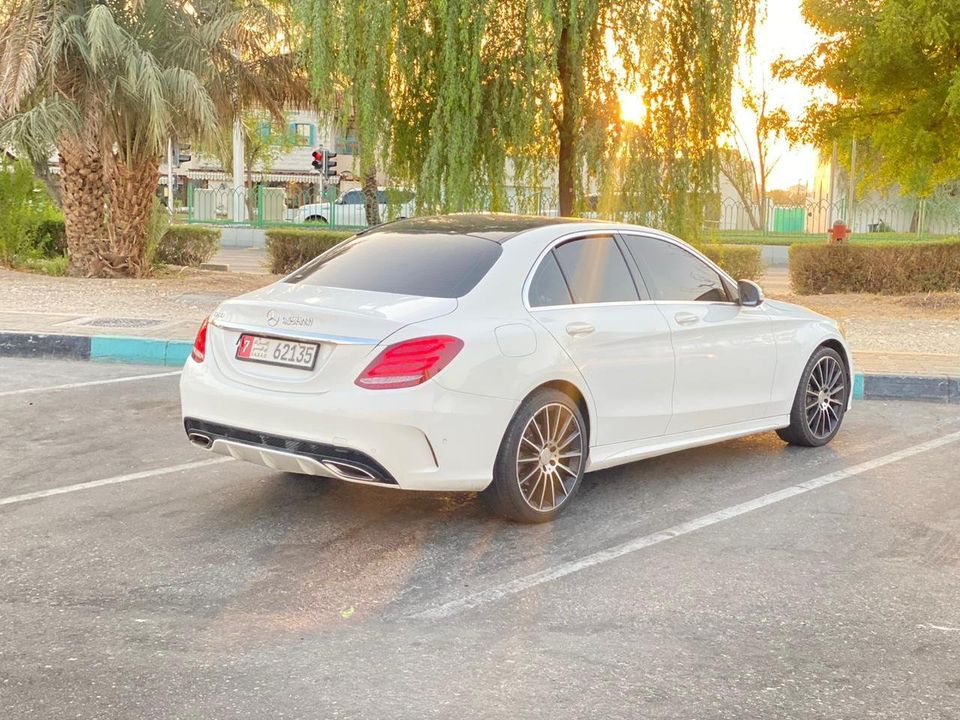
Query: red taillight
x=410 y=363
x=200 y=344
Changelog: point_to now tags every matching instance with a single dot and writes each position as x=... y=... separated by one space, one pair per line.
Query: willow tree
x=347 y=44
x=451 y=90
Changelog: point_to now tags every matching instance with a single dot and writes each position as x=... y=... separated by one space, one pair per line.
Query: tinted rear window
x=445 y=266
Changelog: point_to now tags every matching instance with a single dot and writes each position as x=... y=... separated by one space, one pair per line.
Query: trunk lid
x=345 y=325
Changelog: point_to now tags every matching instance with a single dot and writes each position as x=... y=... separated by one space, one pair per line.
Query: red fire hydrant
x=838 y=234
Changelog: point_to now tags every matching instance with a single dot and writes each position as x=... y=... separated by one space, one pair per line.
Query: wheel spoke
x=530 y=443
x=530 y=475
x=562 y=445
x=560 y=433
x=562 y=485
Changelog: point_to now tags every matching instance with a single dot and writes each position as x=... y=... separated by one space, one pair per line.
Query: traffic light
x=318 y=156
x=183 y=153
x=329 y=164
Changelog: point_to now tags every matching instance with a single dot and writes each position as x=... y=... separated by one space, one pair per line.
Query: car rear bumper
x=422 y=438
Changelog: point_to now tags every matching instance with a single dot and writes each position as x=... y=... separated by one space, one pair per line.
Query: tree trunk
x=133 y=187
x=371 y=203
x=566 y=127
x=83 y=189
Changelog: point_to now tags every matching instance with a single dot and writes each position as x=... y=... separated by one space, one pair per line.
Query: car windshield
x=427 y=265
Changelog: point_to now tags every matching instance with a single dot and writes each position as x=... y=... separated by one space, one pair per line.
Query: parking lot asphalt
x=143 y=578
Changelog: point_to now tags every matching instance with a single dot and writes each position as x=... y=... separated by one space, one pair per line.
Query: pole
x=239 y=206
x=170 y=175
x=852 y=190
x=832 y=209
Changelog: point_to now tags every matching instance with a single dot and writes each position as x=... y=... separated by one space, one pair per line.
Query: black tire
x=316 y=220
x=556 y=463
x=812 y=407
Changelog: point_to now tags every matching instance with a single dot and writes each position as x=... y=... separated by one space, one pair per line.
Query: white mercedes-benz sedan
x=508 y=355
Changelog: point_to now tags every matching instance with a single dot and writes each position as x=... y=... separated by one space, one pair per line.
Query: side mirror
x=750 y=293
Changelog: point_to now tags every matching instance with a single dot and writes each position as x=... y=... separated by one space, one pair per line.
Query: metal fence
x=898 y=217
x=262 y=206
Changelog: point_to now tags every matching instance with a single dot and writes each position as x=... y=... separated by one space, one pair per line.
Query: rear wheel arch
x=571 y=391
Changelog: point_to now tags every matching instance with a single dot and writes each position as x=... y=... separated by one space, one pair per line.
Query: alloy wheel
x=825 y=396
x=549 y=457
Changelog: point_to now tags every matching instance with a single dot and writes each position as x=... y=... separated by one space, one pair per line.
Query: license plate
x=273 y=351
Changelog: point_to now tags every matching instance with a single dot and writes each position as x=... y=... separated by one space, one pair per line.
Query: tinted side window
x=444 y=266
x=675 y=273
x=352 y=197
x=595 y=271
x=548 y=286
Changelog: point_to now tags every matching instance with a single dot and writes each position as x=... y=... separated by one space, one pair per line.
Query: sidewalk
x=903 y=336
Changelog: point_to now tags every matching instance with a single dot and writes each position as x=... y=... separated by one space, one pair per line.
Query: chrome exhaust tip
x=200 y=440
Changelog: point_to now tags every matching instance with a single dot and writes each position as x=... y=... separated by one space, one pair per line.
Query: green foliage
x=44 y=265
x=289 y=248
x=741 y=262
x=25 y=211
x=894 y=66
x=891 y=268
x=51 y=237
x=189 y=245
x=448 y=91
x=157 y=225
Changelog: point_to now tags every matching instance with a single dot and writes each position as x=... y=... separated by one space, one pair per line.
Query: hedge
x=51 y=237
x=188 y=245
x=741 y=262
x=897 y=269
x=289 y=248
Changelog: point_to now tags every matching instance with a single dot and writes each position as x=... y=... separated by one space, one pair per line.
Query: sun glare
x=632 y=108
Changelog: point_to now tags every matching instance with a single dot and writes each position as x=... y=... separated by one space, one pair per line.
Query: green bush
x=890 y=268
x=188 y=245
x=289 y=248
x=51 y=237
x=741 y=262
x=24 y=207
x=56 y=265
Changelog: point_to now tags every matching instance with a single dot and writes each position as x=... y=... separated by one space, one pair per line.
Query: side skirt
x=604 y=456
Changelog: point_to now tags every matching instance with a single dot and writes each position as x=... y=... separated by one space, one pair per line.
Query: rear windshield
x=443 y=266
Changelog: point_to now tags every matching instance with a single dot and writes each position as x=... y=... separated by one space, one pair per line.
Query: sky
x=782 y=32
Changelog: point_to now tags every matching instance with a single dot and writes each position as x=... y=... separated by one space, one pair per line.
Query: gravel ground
x=186 y=294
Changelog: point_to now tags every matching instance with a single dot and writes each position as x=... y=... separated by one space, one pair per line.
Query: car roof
x=498 y=227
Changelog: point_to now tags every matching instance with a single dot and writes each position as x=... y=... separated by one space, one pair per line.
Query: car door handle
x=685 y=318
x=579 y=328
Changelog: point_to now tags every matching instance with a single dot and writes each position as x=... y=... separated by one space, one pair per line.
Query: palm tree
x=106 y=83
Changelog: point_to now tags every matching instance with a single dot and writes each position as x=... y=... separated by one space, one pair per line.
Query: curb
x=98 y=348
x=174 y=353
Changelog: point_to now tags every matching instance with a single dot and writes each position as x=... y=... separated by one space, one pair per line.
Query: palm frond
x=21 y=51
x=37 y=131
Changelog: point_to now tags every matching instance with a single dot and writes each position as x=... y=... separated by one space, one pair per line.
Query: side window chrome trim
x=657 y=235
x=563 y=240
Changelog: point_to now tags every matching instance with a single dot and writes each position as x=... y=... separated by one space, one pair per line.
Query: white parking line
x=71 y=386
x=112 y=481
x=513 y=587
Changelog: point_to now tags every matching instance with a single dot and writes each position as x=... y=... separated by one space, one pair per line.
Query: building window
x=303 y=133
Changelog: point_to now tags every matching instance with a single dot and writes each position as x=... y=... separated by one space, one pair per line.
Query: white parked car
x=508 y=355
x=350 y=208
